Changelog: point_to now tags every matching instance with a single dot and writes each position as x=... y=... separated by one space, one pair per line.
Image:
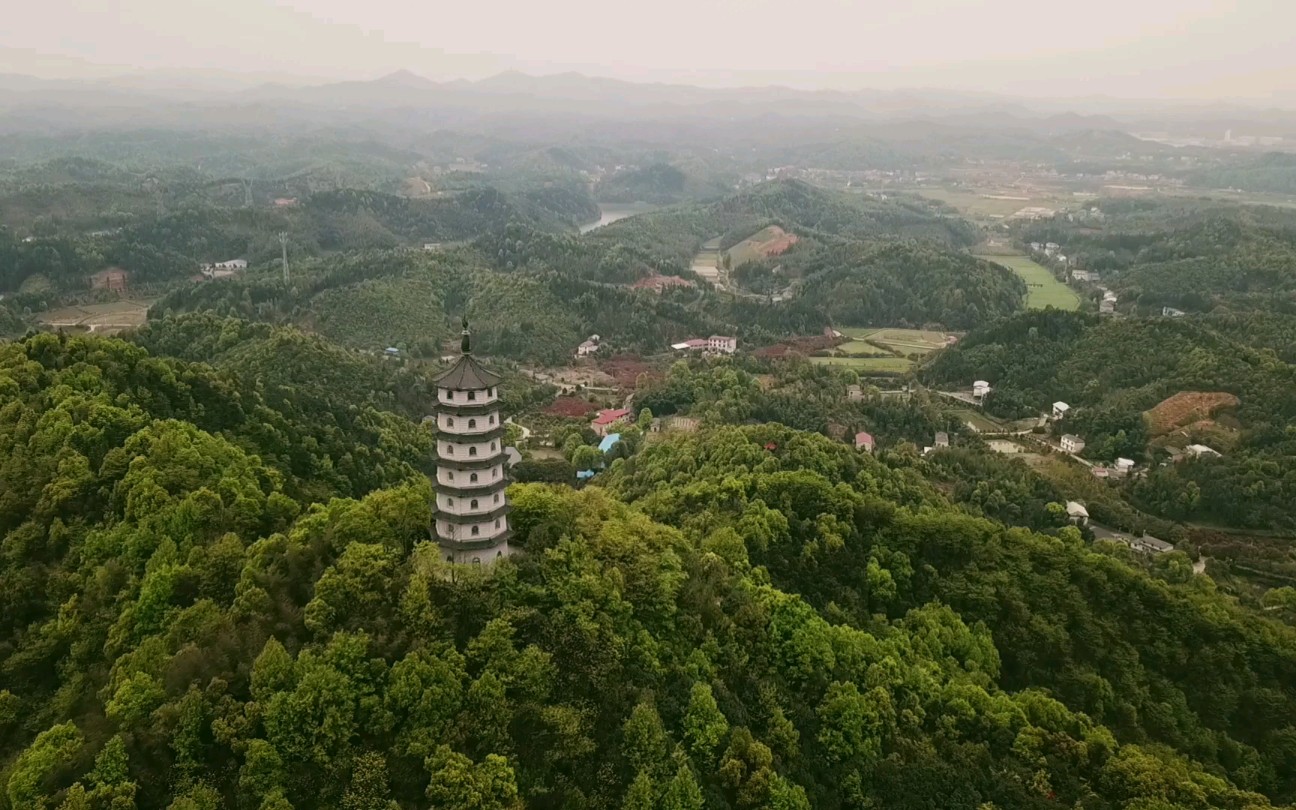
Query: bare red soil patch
x=570 y=407
x=1187 y=408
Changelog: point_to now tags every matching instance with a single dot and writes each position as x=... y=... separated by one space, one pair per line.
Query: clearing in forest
x=101 y=319
x=868 y=365
x=766 y=242
x=1042 y=289
x=1186 y=408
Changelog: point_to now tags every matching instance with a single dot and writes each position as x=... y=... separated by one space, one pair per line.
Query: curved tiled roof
x=467 y=375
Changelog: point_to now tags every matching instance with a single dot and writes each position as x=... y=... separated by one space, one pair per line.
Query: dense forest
x=198 y=614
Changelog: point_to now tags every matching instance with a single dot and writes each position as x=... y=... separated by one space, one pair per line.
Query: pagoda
x=472 y=526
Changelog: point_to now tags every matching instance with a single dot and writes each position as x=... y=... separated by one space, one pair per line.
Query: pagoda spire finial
x=464 y=343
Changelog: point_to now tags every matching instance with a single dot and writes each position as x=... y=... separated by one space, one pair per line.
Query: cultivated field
x=704 y=264
x=868 y=365
x=1043 y=290
x=102 y=319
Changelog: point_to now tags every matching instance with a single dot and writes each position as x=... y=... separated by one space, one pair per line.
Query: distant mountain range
x=156 y=98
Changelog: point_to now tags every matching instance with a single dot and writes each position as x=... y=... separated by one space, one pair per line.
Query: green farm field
x=868 y=365
x=1043 y=290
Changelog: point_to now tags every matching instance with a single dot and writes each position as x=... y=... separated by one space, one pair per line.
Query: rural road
x=526 y=431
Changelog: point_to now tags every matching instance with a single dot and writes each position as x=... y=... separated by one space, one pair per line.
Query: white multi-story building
x=472 y=524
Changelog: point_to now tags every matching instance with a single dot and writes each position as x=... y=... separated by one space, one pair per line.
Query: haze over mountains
x=214 y=99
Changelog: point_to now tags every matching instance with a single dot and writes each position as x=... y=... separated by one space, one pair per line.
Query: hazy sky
x=1131 y=48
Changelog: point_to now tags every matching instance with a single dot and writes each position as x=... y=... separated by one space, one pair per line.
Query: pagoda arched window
x=472 y=504
x=472 y=451
x=472 y=423
x=472 y=478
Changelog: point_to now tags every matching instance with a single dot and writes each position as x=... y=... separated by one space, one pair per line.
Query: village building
x=472 y=524
x=942 y=439
x=1202 y=451
x=864 y=441
x=1106 y=307
x=980 y=388
x=1076 y=513
x=1072 y=444
x=855 y=393
x=1171 y=312
x=1060 y=409
x=588 y=347
x=1150 y=545
x=722 y=343
x=1100 y=472
x=605 y=419
x=224 y=269
x=1124 y=465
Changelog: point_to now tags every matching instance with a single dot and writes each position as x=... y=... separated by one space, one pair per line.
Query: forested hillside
x=1114 y=370
x=750 y=617
x=1194 y=255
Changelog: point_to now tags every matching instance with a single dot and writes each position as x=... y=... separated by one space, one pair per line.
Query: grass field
x=979 y=421
x=1043 y=290
x=868 y=365
x=860 y=348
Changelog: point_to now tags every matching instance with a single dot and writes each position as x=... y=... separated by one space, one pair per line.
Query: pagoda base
x=485 y=552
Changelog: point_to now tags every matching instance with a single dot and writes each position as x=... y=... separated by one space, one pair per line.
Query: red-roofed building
x=864 y=441
x=605 y=419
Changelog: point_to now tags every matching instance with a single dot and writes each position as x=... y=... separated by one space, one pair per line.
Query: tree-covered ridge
x=763 y=627
x=905 y=284
x=167 y=247
x=1194 y=255
x=855 y=540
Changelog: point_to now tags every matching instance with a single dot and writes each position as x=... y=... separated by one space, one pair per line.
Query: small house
x=942 y=439
x=1124 y=465
x=588 y=347
x=1107 y=307
x=1171 y=312
x=584 y=475
x=1076 y=513
x=1072 y=444
x=980 y=388
x=1150 y=545
x=391 y=351
x=1060 y=409
x=864 y=441
x=605 y=419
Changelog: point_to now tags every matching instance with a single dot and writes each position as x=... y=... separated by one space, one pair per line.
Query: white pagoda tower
x=472 y=524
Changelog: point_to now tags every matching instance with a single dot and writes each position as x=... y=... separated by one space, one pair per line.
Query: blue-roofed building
x=584 y=475
x=609 y=441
